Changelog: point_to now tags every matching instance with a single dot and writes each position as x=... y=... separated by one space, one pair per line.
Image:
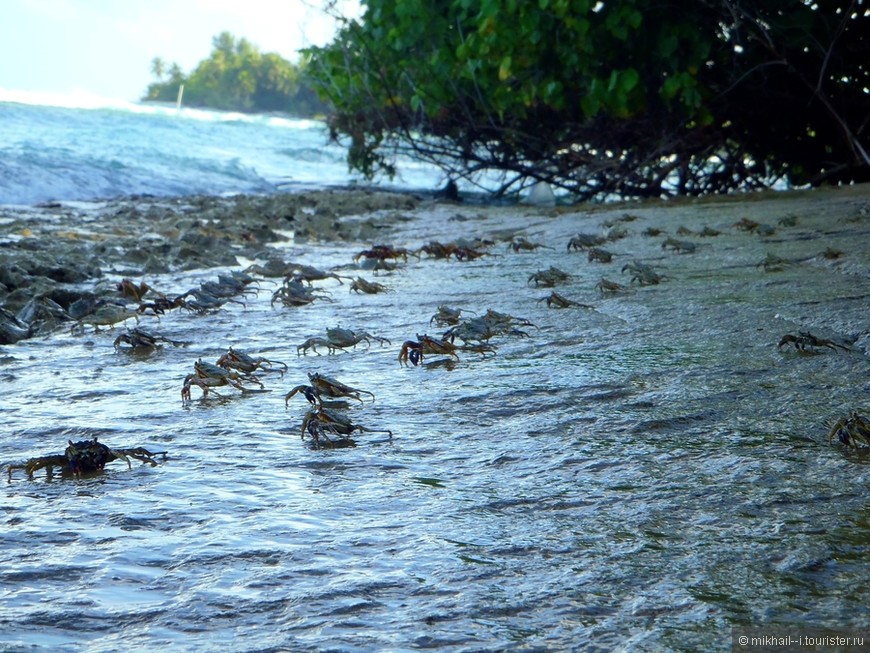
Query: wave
x=81 y=99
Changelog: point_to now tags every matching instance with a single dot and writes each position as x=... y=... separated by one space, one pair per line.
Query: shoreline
x=52 y=250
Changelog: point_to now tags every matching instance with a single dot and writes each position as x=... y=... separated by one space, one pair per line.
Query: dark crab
x=549 y=278
x=384 y=252
x=853 y=431
x=806 y=341
x=338 y=338
x=84 y=457
x=207 y=376
x=643 y=273
x=585 y=241
x=360 y=285
x=308 y=273
x=143 y=340
x=492 y=323
x=680 y=246
x=325 y=386
x=415 y=350
x=330 y=428
x=296 y=293
x=523 y=245
x=235 y=359
x=446 y=316
x=136 y=292
x=607 y=287
x=555 y=300
x=599 y=255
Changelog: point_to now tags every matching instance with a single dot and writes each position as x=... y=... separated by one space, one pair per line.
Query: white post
x=180 y=93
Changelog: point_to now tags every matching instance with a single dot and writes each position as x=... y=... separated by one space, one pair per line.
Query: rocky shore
x=56 y=258
x=54 y=255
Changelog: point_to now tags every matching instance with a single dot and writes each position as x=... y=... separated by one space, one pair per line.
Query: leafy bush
x=625 y=97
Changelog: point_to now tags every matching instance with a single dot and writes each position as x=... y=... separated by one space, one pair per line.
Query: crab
x=549 y=278
x=338 y=338
x=600 y=255
x=832 y=254
x=210 y=296
x=745 y=224
x=235 y=359
x=584 y=241
x=521 y=244
x=643 y=273
x=135 y=292
x=415 y=350
x=84 y=457
x=555 y=300
x=344 y=338
x=308 y=274
x=446 y=316
x=607 y=287
x=481 y=329
x=140 y=339
x=465 y=253
x=369 y=287
x=851 y=431
x=313 y=343
x=296 y=293
x=383 y=252
x=160 y=305
x=503 y=324
x=322 y=385
x=437 y=249
x=108 y=314
x=207 y=376
x=652 y=232
x=773 y=263
x=682 y=246
x=322 y=422
x=805 y=340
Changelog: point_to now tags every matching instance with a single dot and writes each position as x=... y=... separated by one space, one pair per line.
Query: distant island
x=238 y=77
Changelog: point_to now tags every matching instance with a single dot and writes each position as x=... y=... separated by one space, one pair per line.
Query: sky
x=104 y=48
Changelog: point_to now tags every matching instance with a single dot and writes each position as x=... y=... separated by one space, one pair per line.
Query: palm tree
x=158 y=68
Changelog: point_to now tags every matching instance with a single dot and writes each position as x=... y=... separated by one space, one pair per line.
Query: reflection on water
x=637 y=476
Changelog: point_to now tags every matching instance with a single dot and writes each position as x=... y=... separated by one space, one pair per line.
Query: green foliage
x=237 y=77
x=622 y=96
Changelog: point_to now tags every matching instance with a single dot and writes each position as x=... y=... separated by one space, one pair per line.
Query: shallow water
x=638 y=476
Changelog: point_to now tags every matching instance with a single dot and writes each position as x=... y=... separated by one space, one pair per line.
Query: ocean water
x=84 y=148
x=641 y=474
